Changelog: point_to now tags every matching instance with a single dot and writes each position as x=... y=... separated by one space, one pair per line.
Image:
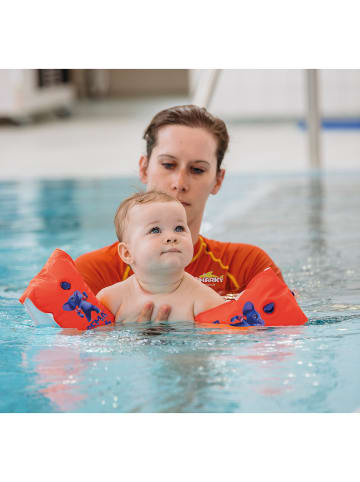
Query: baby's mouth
x=171 y=250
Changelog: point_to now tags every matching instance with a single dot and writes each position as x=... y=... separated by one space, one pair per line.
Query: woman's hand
x=146 y=313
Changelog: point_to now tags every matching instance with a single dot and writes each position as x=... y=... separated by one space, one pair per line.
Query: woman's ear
x=219 y=180
x=124 y=253
x=143 y=167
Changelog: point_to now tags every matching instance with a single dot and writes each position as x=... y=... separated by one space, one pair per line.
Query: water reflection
x=316 y=200
x=61 y=369
x=225 y=368
x=58 y=371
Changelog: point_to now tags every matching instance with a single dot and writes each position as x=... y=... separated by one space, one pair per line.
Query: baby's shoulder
x=192 y=283
x=113 y=296
x=113 y=290
x=204 y=296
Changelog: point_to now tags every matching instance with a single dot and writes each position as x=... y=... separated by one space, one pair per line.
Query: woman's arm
x=146 y=312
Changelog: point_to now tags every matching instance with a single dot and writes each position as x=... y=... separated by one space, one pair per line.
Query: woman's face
x=183 y=164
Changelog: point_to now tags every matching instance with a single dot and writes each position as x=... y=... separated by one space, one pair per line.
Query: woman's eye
x=197 y=170
x=154 y=230
x=168 y=165
x=179 y=229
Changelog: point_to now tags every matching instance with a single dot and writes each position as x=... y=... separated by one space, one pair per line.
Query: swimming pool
x=308 y=223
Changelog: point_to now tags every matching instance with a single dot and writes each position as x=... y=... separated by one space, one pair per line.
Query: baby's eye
x=179 y=228
x=154 y=230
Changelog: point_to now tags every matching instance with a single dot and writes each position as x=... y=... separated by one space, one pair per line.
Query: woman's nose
x=180 y=182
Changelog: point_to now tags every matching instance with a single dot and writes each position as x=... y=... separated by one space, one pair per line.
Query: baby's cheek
x=190 y=252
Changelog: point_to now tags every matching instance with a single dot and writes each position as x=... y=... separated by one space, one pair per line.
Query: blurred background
x=58 y=123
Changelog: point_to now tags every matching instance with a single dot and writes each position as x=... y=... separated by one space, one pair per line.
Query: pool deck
x=104 y=139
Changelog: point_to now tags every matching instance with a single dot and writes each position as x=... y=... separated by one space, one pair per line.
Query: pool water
x=308 y=223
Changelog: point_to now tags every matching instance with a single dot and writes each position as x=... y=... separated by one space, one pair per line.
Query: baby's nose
x=171 y=239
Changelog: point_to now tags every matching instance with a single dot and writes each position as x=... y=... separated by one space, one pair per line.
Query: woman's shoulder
x=196 y=287
x=239 y=261
x=226 y=247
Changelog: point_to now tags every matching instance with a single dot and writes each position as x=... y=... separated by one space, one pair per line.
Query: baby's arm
x=206 y=298
x=111 y=297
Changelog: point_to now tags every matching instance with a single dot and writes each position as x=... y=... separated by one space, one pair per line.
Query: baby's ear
x=124 y=253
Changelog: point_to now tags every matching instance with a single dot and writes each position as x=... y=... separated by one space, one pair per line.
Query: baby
x=155 y=241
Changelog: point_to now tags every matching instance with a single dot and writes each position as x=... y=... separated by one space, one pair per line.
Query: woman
x=185 y=147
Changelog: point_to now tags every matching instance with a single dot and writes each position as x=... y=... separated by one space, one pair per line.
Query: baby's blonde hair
x=122 y=211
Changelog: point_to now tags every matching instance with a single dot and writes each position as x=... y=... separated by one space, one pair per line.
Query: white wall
x=20 y=95
x=246 y=94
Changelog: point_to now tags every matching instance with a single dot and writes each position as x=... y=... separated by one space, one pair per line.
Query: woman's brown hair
x=190 y=116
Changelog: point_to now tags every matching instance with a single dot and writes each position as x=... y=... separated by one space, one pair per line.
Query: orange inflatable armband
x=59 y=293
x=266 y=301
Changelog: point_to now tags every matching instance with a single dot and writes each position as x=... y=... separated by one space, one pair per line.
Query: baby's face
x=158 y=236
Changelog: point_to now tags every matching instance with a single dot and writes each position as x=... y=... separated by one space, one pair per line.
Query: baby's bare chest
x=182 y=306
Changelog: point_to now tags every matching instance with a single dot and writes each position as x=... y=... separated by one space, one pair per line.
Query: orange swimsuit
x=225 y=267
